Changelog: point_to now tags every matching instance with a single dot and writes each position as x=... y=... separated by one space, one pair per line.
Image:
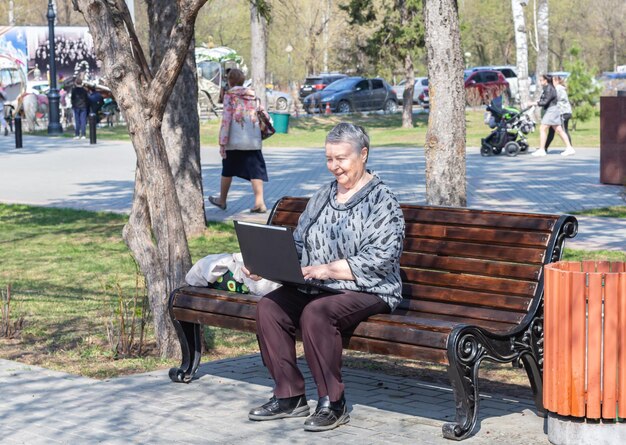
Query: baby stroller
x=510 y=127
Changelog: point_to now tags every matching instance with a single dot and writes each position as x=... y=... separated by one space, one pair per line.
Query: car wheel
x=343 y=107
x=281 y=104
x=390 y=106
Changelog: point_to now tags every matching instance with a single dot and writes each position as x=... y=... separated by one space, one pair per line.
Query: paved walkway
x=45 y=407
x=40 y=406
x=66 y=173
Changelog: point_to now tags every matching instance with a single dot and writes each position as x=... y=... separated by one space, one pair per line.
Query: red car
x=424 y=98
x=484 y=85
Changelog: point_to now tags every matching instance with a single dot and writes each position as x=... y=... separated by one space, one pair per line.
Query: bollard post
x=92 y=128
x=18 y=131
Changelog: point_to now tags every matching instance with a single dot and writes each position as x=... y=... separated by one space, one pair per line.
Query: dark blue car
x=353 y=94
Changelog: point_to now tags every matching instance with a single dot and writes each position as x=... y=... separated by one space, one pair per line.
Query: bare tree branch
x=165 y=78
x=136 y=45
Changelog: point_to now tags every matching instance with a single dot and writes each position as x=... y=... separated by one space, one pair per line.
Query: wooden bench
x=472 y=288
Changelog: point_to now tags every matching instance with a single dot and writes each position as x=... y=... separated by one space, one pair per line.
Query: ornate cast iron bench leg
x=467 y=348
x=533 y=361
x=464 y=352
x=190 y=337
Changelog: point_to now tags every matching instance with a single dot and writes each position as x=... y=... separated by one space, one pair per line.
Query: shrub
x=9 y=328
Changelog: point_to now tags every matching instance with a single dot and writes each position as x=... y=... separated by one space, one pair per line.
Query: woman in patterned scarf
x=349 y=238
x=240 y=142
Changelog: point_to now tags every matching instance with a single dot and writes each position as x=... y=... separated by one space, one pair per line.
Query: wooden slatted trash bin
x=584 y=371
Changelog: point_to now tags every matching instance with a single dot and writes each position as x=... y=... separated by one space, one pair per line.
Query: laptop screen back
x=269 y=251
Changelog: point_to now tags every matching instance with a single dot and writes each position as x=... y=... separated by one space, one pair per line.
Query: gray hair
x=354 y=135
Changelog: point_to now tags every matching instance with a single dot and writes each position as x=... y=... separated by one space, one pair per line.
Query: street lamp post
x=54 y=125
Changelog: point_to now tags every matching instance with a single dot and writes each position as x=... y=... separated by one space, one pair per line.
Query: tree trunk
x=11 y=13
x=155 y=231
x=66 y=7
x=181 y=124
x=409 y=85
x=521 y=46
x=258 y=57
x=445 y=139
x=542 y=27
x=407 y=96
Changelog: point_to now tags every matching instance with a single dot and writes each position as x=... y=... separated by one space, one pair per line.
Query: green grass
x=117 y=133
x=60 y=264
x=594 y=255
x=608 y=212
x=385 y=130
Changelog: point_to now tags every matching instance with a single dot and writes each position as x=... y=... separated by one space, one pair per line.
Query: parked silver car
x=276 y=100
x=421 y=83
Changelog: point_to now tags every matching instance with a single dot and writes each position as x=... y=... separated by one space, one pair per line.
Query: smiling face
x=346 y=163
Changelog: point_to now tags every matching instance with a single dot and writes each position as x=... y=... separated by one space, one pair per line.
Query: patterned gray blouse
x=367 y=231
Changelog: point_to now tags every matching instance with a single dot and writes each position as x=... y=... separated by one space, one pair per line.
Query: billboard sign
x=29 y=47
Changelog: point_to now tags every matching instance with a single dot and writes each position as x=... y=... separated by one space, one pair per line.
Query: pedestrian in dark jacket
x=80 y=105
x=95 y=100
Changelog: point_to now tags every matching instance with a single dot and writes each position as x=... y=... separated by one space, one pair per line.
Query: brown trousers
x=321 y=320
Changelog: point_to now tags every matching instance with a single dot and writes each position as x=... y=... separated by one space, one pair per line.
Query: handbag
x=265 y=124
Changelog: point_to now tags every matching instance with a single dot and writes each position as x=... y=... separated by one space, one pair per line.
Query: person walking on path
x=551 y=117
x=565 y=107
x=80 y=106
x=240 y=142
x=349 y=238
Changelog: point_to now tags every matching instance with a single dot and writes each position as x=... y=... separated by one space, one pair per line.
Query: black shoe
x=280 y=408
x=328 y=415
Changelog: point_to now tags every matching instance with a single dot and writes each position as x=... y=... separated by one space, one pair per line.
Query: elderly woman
x=350 y=238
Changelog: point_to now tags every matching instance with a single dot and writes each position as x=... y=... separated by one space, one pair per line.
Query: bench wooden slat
x=502 y=236
x=396 y=349
x=286 y=219
x=291 y=204
x=412 y=292
x=478 y=218
x=401 y=334
x=240 y=309
x=469 y=282
x=210 y=292
x=477 y=251
x=222 y=321
x=470 y=265
x=480 y=313
x=496 y=327
x=398 y=318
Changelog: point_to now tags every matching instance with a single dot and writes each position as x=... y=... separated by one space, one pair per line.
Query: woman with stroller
x=564 y=107
x=551 y=117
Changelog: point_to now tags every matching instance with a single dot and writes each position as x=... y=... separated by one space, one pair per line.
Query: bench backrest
x=469 y=266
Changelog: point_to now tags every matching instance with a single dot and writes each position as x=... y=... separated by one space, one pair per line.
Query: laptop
x=270 y=252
